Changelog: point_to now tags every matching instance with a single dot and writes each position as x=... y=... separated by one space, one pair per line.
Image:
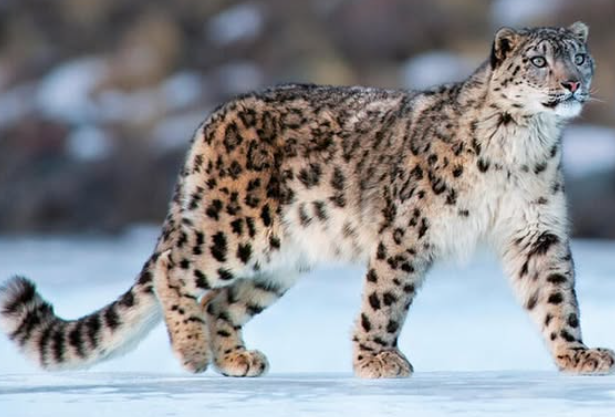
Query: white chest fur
x=515 y=194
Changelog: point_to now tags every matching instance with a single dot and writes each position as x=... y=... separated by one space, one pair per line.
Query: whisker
x=594 y=96
x=596 y=100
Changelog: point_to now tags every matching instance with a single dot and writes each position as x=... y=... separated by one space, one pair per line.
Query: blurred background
x=99 y=98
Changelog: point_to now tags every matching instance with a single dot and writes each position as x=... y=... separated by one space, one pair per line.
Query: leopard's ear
x=580 y=30
x=503 y=44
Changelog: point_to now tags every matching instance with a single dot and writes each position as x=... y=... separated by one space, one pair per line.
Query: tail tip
x=15 y=295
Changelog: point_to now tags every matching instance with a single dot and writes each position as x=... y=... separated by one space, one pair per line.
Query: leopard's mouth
x=571 y=99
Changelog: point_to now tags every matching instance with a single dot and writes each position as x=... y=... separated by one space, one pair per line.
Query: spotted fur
x=279 y=181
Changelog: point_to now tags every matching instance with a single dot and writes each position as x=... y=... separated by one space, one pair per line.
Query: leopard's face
x=543 y=70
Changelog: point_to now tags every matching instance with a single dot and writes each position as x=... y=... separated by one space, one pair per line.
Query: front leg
x=394 y=275
x=540 y=266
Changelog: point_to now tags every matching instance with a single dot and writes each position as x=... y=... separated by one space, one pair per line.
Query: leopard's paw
x=386 y=364
x=587 y=361
x=243 y=363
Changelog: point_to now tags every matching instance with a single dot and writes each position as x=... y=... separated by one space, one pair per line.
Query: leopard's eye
x=539 y=61
x=579 y=59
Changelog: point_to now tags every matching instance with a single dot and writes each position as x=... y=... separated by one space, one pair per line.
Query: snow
x=65 y=93
x=89 y=143
x=474 y=351
x=432 y=68
x=425 y=395
x=588 y=150
x=238 y=23
x=182 y=89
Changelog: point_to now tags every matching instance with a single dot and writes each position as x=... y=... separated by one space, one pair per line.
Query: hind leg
x=228 y=309
x=183 y=316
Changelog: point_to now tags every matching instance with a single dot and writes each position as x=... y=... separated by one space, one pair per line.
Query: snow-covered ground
x=425 y=395
x=474 y=350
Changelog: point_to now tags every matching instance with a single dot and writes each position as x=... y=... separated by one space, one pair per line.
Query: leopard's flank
x=279 y=181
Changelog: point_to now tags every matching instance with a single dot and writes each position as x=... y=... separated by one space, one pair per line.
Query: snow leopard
x=281 y=180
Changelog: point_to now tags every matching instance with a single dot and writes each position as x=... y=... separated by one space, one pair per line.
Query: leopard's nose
x=571 y=86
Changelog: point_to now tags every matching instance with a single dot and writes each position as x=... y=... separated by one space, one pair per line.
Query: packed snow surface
x=474 y=351
x=425 y=394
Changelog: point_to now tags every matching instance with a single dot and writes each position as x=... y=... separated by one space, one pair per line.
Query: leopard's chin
x=566 y=109
x=569 y=110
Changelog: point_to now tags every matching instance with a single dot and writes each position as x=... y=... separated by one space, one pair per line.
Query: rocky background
x=98 y=98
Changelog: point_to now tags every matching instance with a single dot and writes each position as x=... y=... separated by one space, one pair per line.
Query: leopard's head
x=542 y=70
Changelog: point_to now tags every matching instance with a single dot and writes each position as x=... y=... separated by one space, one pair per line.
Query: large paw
x=387 y=364
x=243 y=363
x=587 y=361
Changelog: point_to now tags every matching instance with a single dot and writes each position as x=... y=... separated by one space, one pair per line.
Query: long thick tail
x=56 y=344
